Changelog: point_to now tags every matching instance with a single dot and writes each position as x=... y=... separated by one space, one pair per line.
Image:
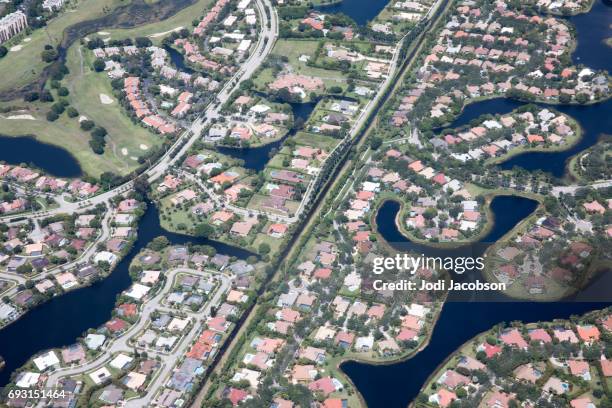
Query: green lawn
x=326 y=143
x=293 y=49
x=21 y=67
x=126 y=140
x=181 y=19
x=85 y=89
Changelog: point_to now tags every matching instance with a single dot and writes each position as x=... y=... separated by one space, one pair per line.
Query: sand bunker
x=82 y=118
x=144 y=147
x=124 y=151
x=105 y=99
x=165 y=32
x=103 y=33
x=25 y=117
x=16 y=48
x=27 y=39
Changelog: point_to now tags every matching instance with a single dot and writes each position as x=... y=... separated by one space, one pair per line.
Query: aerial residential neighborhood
x=305 y=204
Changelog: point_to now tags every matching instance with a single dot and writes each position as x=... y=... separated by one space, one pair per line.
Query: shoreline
x=395 y=360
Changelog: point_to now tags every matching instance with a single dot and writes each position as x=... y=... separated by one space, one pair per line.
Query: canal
x=397 y=385
x=256 y=158
x=61 y=320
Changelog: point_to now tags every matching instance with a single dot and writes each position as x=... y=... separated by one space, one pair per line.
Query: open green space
x=24 y=64
x=158 y=30
x=126 y=140
x=293 y=50
x=323 y=142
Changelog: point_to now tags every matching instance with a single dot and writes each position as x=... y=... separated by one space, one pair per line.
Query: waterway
x=594 y=120
x=396 y=385
x=592 y=29
x=54 y=160
x=256 y=158
x=60 y=321
x=359 y=10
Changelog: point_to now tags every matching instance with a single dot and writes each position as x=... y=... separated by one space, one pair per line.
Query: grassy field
x=323 y=142
x=23 y=66
x=156 y=30
x=65 y=133
x=293 y=49
x=125 y=140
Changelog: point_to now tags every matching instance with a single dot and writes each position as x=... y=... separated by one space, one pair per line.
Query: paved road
x=556 y=191
x=89 y=252
x=265 y=43
x=121 y=344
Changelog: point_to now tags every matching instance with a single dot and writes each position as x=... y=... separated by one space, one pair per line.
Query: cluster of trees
x=98 y=134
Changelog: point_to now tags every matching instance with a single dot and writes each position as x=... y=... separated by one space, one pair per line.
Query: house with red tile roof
x=514 y=338
x=540 y=335
x=443 y=398
x=324 y=385
x=588 y=333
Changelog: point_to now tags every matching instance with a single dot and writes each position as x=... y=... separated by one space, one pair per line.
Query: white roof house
x=46 y=360
x=95 y=341
x=27 y=379
x=121 y=361
x=137 y=291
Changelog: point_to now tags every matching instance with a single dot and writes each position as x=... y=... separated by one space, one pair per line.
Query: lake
x=54 y=160
x=396 y=385
x=359 y=10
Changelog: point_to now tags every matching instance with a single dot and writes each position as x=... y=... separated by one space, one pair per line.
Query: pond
x=359 y=10
x=256 y=158
x=178 y=59
x=52 y=159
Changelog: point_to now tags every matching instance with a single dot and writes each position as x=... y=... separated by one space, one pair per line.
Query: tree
x=97 y=146
x=46 y=96
x=87 y=124
x=52 y=116
x=204 y=230
x=3 y=51
x=49 y=55
x=99 y=65
x=143 y=42
x=142 y=186
x=72 y=112
x=30 y=96
x=159 y=243
x=99 y=132
x=63 y=91
x=375 y=142
x=582 y=98
x=24 y=269
x=264 y=248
